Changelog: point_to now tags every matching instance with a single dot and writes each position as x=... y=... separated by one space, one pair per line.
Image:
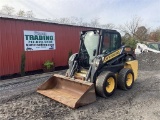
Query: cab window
x=106 y=43
x=111 y=42
x=115 y=42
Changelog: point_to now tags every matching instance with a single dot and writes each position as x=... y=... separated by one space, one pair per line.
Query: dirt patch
x=20 y=101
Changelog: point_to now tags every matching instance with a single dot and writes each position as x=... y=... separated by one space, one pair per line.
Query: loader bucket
x=71 y=92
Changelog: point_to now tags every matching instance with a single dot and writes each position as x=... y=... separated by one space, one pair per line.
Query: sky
x=117 y=12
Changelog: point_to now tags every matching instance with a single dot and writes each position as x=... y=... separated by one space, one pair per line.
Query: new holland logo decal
x=111 y=56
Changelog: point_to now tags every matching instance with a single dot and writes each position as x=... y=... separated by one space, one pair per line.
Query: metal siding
x=12 y=45
x=1 y=47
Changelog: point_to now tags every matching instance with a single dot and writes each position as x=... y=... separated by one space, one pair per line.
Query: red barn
x=12 y=43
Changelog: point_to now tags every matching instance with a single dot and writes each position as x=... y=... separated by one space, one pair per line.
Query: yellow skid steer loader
x=101 y=65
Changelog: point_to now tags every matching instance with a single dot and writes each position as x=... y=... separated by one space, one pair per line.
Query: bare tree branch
x=8 y=10
x=108 y=26
x=21 y=13
x=131 y=27
x=30 y=14
x=95 y=22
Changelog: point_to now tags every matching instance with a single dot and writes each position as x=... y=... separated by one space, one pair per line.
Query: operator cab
x=94 y=43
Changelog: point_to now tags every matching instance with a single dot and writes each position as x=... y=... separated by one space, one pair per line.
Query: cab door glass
x=91 y=41
x=115 y=42
x=106 y=43
x=111 y=42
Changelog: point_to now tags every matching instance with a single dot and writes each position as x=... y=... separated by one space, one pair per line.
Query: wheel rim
x=129 y=79
x=111 y=84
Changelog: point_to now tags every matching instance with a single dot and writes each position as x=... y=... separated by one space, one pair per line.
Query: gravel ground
x=20 y=101
x=149 y=61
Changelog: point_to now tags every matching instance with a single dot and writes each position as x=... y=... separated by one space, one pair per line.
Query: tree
x=86 y=24
x=64 y=20
x=56 y=20
x=141 y=33
x=74 y=20
x=7 y=10
x=126 y=36
x=130 y=42
x=131 y=27
x=108 y=26
x=80 y=21
x=21 y=13
x=155 y=35
x=95 y=22
x=30 y=14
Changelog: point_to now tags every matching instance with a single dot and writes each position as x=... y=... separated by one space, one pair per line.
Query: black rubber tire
x=122 y=79
x=101 y=84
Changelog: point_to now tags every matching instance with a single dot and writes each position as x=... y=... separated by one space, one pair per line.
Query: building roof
x=37 y=20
